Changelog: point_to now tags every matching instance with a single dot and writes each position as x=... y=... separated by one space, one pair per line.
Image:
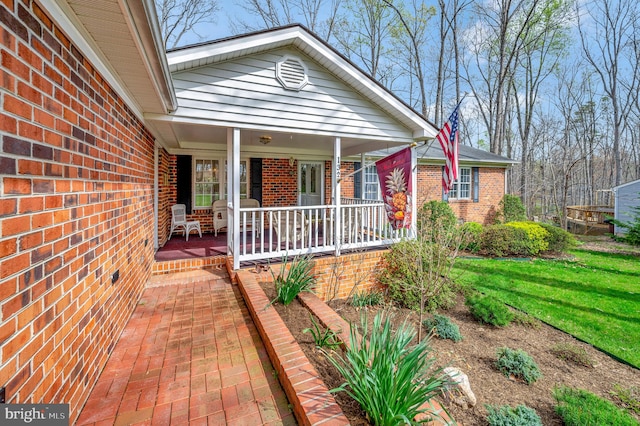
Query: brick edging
x=312 y=403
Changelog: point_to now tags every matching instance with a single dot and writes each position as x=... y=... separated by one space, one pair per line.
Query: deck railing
x=590 y=214
x=272 y=232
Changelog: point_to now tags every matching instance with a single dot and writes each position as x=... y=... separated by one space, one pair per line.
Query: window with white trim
x=209 y=182
x=462 y=186
x=371 y=184
x=206 y=183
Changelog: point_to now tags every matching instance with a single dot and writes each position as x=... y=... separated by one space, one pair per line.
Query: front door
x=310 y=182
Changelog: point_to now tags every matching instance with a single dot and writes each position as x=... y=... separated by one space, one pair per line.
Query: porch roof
x=215 y=81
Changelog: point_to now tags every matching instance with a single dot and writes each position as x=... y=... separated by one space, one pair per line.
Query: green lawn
x=595 y=297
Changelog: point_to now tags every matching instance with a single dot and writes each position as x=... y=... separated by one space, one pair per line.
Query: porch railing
x=272 y=232
x=590 y=214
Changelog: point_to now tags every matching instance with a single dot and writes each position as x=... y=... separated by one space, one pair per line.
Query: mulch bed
x=475 y=355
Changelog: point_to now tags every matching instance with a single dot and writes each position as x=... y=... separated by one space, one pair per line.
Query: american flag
x=448 y=138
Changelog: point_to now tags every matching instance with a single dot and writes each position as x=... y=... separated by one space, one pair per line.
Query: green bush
x=502 y=240
x=536 y=236
x=387 y=375
x=578 y=407
x=472 y=232
x=435 y=217
x=444 y=327
x=489 y=310
x=361 y=299
x=293 y=280
x=519 y=364
x=510 y=209
x=407 y=279
x=508 y=416
x=632 y=235
x=558 y=239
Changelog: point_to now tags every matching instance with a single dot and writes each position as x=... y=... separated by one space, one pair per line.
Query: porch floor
x=190 y=354
x=179 y=248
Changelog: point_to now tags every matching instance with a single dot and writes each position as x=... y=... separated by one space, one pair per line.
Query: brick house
x=101 y=132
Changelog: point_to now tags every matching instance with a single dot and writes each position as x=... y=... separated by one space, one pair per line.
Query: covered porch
x=278 y=117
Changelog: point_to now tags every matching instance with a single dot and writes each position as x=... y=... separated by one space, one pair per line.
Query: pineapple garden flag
x=394 y=173
x=448 y=138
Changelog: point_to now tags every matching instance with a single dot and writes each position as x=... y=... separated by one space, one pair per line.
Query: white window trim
x=456 y=185
x=222 y=178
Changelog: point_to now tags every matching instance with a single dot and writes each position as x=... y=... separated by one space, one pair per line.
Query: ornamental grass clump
x=362 y=299
x=506 y=415
x=389 y=376
x=519 y=364
x=443 y=327
x=293 y=280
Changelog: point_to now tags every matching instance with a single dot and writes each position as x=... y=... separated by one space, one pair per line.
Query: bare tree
x=318 y=16
x=610 y=44
x=179 y=17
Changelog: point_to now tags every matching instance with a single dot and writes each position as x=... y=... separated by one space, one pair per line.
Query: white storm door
x=310 y=182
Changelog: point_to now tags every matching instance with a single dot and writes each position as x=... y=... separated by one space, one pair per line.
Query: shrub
x=444 y=327
x=322 y=337
x=572 y=353
x=508 y=416
x=510 y=209
x=472 y=232
x=558 y=239
x=415 y=271
x=578 y=407
x=389 y=377
x=361 y=299
x=489 y=310
x=435 y=218
x=293 y=280
x=536 y=236
x=519 y=364
x=502 y=240
x=632 y=234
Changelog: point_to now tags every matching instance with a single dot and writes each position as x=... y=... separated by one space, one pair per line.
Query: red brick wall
x=279 y=185
x=491 y=191
x=340 y=277
x=76 y=176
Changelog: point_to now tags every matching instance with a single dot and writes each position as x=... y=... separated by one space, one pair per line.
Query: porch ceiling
x=205 y=138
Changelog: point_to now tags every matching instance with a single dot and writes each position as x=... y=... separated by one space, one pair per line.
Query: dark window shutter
x=357 y=180
x=183 y=181
x=255 y=176
x=445 y=197
x=476 y=183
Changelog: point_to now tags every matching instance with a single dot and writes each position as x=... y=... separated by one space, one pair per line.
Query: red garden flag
x=448 y=138
x=394 y=173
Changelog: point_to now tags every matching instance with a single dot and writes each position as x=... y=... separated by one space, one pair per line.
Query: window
x=207 y=183
x=210 y=183
x=371 y=184
x=462 y=186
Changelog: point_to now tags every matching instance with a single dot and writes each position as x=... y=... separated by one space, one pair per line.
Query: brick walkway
x=190 y=354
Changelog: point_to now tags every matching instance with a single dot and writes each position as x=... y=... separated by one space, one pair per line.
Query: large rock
x=458 y=388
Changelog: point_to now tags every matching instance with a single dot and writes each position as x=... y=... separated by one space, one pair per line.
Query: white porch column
x=335 y=181
x=233 y=194
x=363 y=172
x=414 y=197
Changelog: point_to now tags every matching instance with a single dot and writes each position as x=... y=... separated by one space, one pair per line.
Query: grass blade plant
x=293 y=280
x=322 y=337
x=578 y=407
x=390 y=378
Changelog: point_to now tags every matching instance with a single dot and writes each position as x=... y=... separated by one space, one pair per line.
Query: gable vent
x=291 y=72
